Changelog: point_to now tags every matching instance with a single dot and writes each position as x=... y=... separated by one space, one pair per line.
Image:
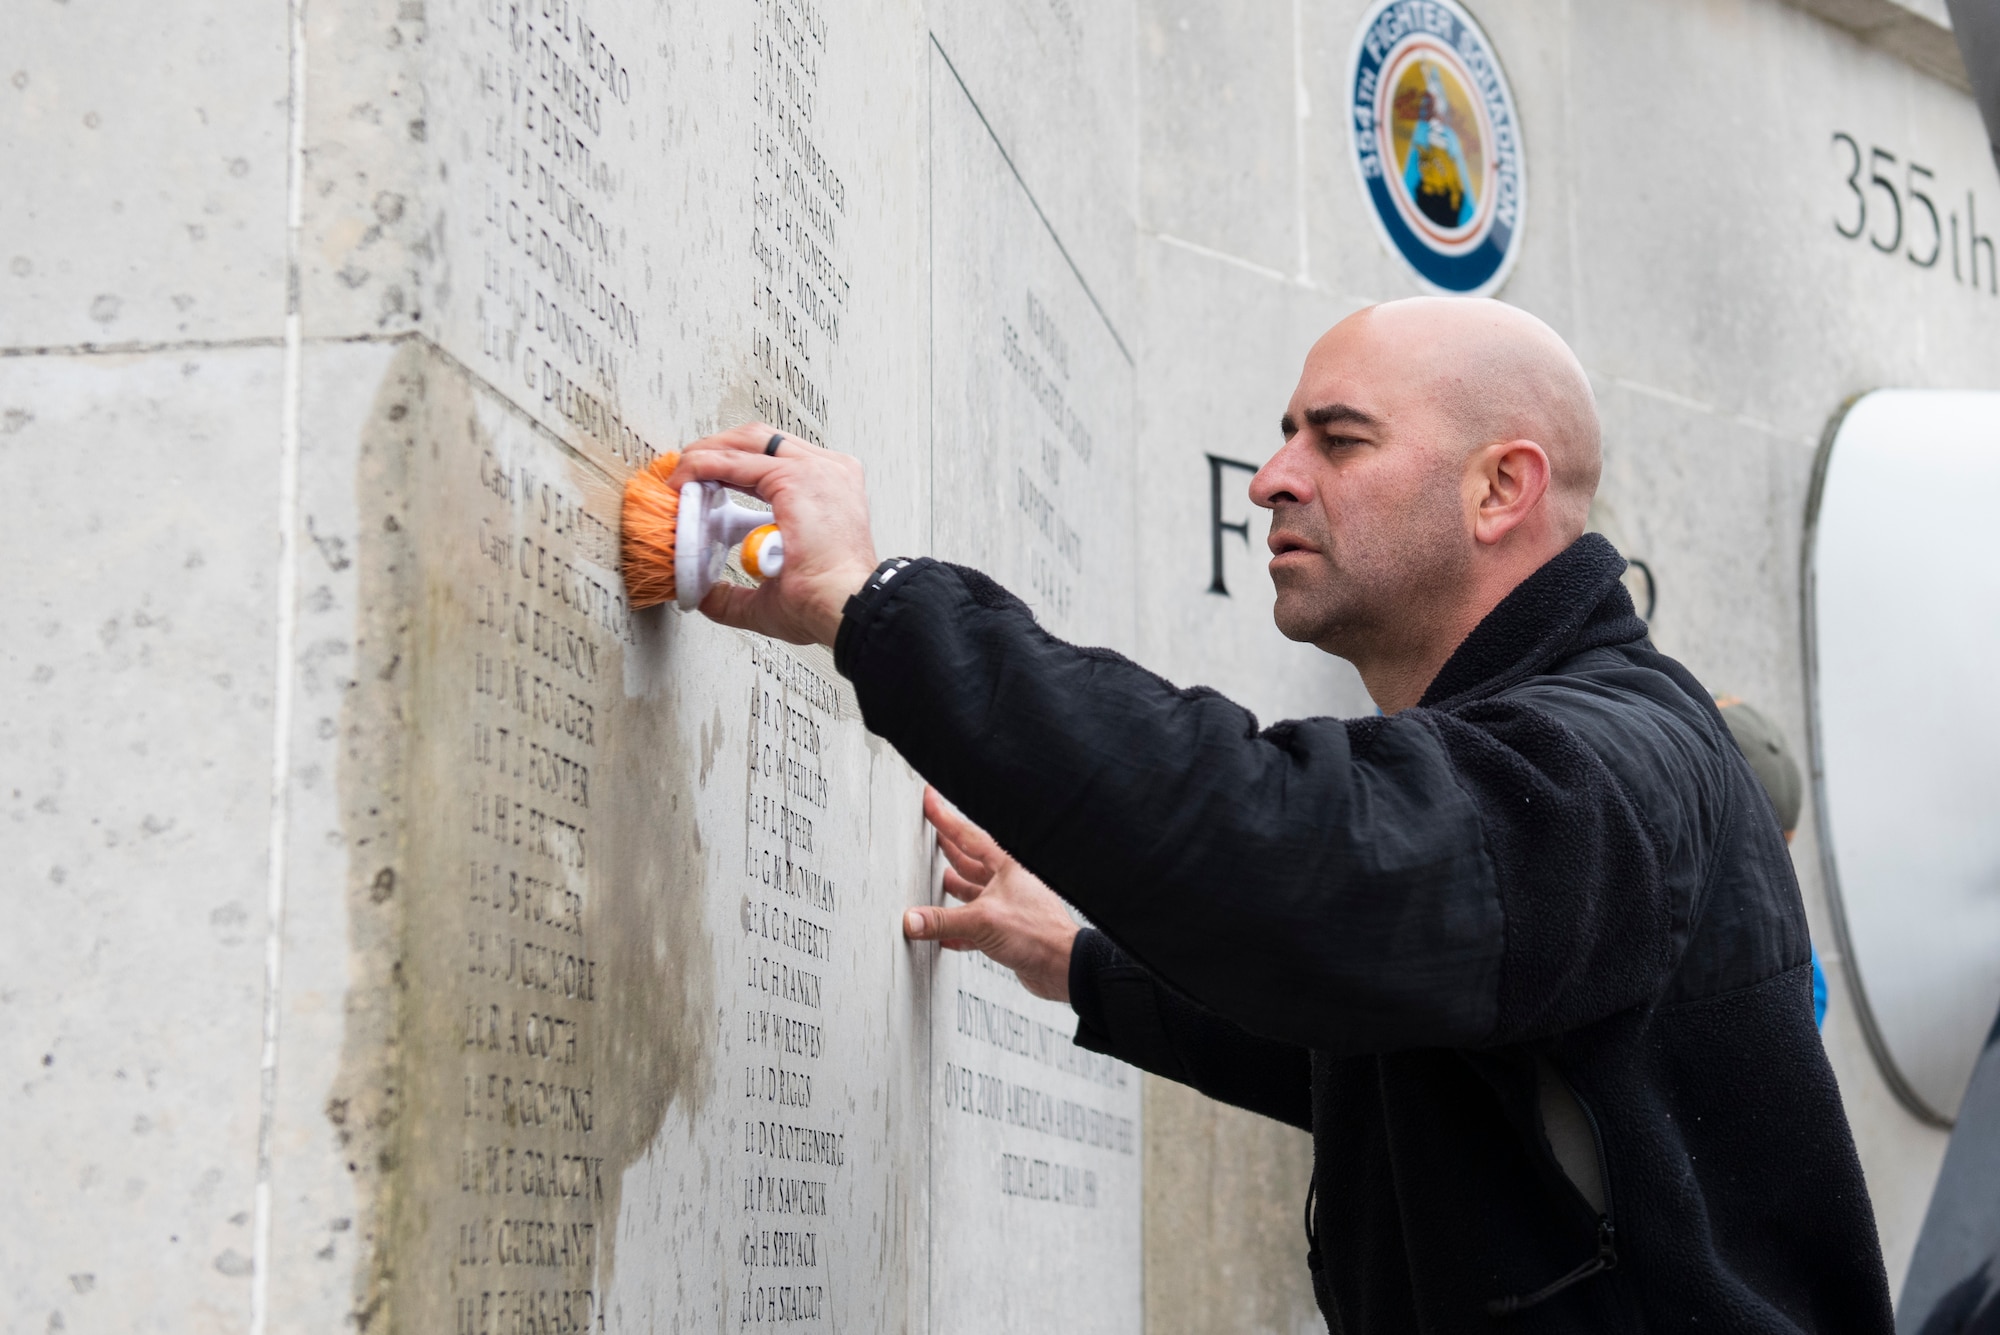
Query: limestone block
x=1220 y=150
x=138 y=755
x=1054 y=81
x=1343 y=252
x=653 y=237
x=1032 y=419
x=1754 y=309
x=1715 y=507
x=342 y=900
x=146 y=162
x=582 y=1019
x=368 y=254
x=1225 y=1194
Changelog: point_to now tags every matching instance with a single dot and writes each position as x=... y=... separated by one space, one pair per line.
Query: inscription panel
x=555 y=96
x=1031 y=392
x=682 y=832
x=795 y=1174
x=811 y=1155
x=800 y=288
x=521 y=1107
x=663 y=227
x=1054 y=80
x=1035 y=1162
x=654 y=1005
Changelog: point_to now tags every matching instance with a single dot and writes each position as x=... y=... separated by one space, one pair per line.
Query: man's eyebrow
x=1339 y=414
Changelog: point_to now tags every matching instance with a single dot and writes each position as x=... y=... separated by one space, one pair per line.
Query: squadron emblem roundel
x=1437 y=143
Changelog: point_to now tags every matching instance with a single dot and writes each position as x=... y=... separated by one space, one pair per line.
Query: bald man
x=1524 y=954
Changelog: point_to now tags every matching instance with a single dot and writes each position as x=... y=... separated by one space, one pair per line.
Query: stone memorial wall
x=410 y=937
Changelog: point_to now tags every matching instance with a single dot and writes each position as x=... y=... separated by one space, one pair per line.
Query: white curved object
x=1903 y=638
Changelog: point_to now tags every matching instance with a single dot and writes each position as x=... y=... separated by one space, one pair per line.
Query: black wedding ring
x=777 y=439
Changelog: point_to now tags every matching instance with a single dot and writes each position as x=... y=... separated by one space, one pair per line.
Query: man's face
x=1368 y=529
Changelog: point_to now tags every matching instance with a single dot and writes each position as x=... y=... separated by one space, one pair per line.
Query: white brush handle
x=709 y=524
x=735 y=522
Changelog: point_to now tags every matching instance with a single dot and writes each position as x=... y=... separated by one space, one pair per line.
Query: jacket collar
x=1574 y=603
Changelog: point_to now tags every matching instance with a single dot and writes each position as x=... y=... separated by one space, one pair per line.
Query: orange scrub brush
x=674 y=540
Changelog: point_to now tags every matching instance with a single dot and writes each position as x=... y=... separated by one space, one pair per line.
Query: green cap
x=1763 y=745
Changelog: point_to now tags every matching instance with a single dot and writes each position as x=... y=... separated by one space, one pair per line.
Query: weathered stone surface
x=1222 y=123
x=616 y=914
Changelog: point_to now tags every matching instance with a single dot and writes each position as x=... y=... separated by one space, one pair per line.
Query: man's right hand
x=819 y=503
x=1008 y=914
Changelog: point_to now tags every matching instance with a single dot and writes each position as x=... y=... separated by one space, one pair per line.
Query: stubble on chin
x=1309 y=607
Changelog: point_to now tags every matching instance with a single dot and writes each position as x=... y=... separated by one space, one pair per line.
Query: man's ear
x=1507 y=480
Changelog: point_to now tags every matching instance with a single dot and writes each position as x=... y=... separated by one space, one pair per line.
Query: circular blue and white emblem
x=1437 y=143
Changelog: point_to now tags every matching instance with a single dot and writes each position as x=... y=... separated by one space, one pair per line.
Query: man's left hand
x=1008 y=913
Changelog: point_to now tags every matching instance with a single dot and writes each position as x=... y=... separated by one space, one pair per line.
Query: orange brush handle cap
x=754 y=544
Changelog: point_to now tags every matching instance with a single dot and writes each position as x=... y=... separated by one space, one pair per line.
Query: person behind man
x=1525 y=953
x=1763 y=744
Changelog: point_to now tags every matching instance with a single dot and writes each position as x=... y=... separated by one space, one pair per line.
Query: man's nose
x=1283 y=480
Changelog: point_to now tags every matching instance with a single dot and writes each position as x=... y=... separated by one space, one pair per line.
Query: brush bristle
x=647 y=532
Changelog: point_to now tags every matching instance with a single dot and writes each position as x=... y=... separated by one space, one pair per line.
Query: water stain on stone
x=534 y=988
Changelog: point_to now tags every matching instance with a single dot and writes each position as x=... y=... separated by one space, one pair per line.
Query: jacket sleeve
x=1124 y=1012
x=1327 y=884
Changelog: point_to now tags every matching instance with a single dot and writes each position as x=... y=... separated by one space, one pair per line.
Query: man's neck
x=1398 y=674
x=1397 y=682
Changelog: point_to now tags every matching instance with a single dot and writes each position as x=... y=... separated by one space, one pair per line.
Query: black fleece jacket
x=1385 y=930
